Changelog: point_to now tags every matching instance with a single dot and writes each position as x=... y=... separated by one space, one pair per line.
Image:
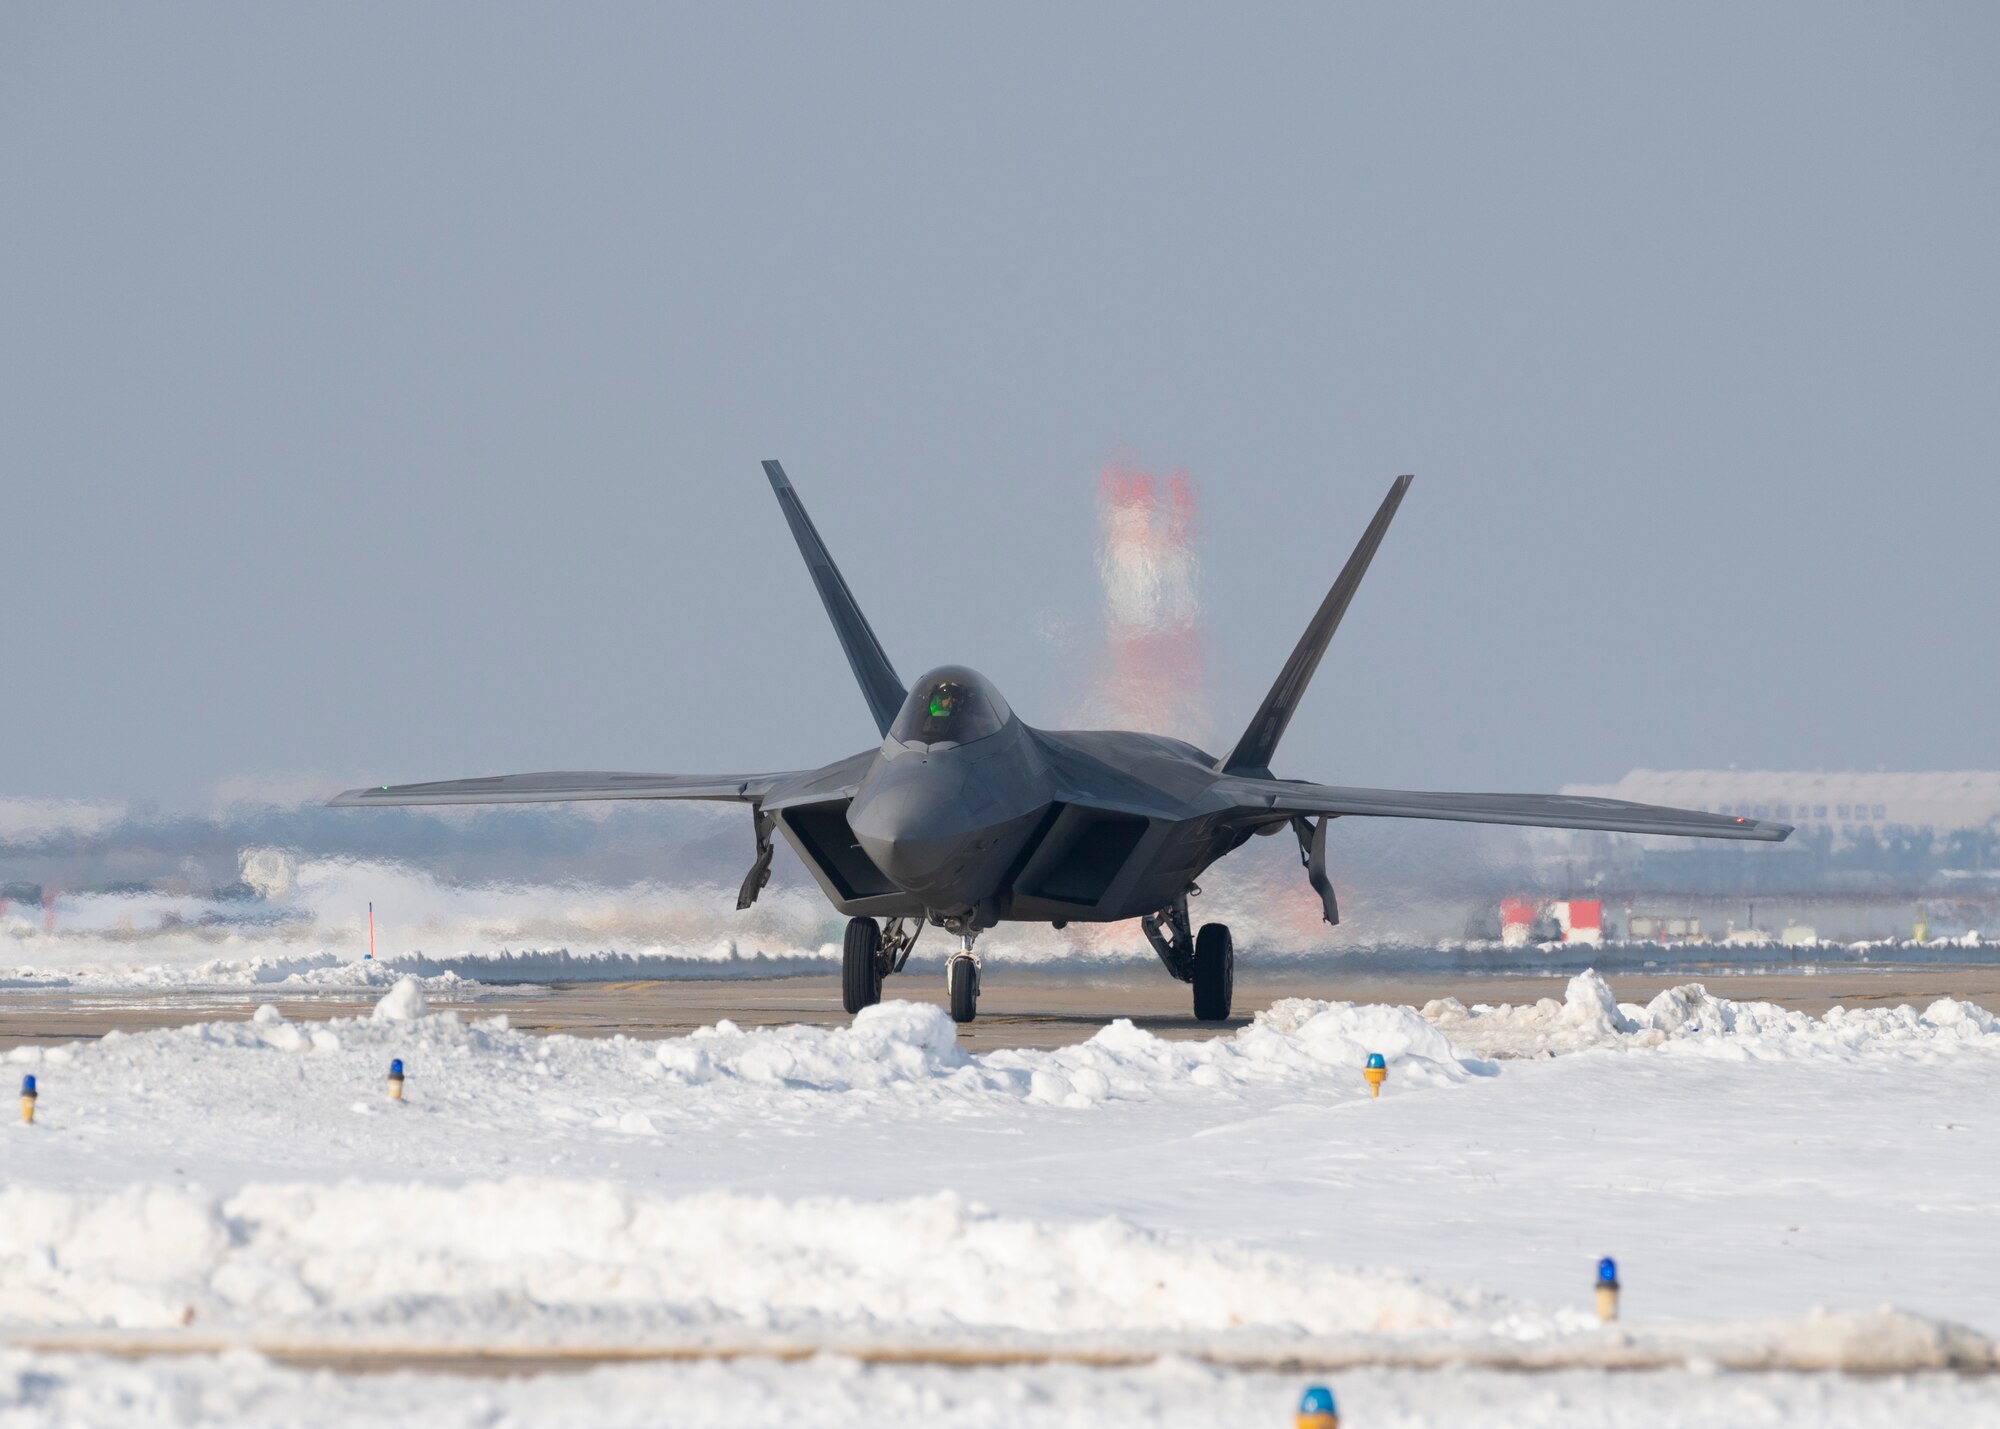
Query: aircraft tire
x=961 y=979
x=1214 y=972
x=861 y=965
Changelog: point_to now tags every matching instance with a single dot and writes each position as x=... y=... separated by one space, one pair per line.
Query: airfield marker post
x=28 y=1100
x=1317 y=1409
x=396 y=1079
x=1607 y=1290
x=371 y=932
x=1377 y=1072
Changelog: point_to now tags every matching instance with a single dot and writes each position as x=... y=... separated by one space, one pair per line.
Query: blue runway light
x=1376 y=1071
x=1607 y=1271
x=28 y=1085
x=1317 y=1409
x=396 y=1079
x=28 y=1099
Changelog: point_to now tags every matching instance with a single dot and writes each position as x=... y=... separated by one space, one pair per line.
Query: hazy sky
x=382 y=389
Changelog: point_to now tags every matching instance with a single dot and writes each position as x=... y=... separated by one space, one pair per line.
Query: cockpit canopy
x=950 y=705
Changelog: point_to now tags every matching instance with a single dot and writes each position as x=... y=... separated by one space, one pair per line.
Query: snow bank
x=506 y=1258
x=904 y=1051
x=272 y=1073
x=593 y=1268
x=43 y=1392
x=95 y=967
x=1688 y=1020
x=904 y=1042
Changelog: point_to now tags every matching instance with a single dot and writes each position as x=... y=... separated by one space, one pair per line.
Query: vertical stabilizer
x=1253 y=751
x=872 y=671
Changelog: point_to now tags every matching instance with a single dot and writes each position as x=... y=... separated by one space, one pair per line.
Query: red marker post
x=371 y=932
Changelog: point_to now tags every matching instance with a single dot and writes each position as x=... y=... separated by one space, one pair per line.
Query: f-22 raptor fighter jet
x=965 y=816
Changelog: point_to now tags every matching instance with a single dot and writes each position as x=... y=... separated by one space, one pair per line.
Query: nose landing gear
x=961 y=981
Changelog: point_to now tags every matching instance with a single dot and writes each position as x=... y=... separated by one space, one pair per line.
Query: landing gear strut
x=961 y=981
x=1207 y=961
x=1176 y=944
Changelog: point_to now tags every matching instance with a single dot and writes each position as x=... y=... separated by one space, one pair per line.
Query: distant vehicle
x=965 y=816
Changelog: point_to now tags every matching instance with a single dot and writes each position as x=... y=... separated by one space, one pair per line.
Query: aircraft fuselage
x=1018 y=824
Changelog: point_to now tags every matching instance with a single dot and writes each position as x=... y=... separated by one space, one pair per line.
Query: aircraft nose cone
x=911 y=824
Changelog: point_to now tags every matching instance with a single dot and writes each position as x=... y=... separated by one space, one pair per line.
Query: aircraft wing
x=1550 y=811
x=563 y=786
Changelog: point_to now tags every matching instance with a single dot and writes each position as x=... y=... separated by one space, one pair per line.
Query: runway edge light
x=1607 y=1289
x=1317 y=1409
x=28 y=1099
x=1377 y=1072
x=396 y=1079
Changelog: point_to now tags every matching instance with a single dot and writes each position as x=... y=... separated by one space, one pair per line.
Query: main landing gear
x=1214 y=972
x=1207 y=961
x=867 y=956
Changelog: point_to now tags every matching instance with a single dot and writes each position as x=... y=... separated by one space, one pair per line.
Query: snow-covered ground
x=874 y=1189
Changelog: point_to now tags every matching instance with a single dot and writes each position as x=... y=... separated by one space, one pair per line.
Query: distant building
x=1845 y=806
x=1568 y=920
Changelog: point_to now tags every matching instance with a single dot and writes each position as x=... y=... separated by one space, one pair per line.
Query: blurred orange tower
x=1152 y=678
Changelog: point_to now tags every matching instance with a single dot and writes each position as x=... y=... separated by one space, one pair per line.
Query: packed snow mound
x=1689 y=1020
x=502 y=1259
x=402 y=1003
x=887 y=1043
x=1347 y=1032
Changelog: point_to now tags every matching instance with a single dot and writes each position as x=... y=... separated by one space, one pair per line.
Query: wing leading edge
x=1549 y=811
x=562 y=786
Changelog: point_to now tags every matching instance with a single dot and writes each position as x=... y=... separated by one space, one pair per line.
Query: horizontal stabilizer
x=561 y=787
x=1287 y=797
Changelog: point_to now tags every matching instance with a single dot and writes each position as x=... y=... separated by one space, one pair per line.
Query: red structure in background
x=1568 y=920
x=1152 y=678
x=1517 y=921
x=1581 y=919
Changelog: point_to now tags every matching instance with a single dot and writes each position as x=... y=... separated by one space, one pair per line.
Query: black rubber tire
x=861 y=965
x=962 y=980
x=1214 y=972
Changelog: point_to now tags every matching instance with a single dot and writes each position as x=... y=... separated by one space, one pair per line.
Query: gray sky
x=382 y=390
